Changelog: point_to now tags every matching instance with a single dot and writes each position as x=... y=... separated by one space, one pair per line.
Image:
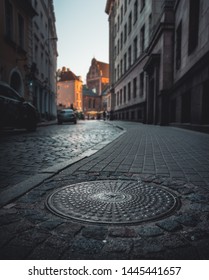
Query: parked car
x=15 y=111
x=66 y=115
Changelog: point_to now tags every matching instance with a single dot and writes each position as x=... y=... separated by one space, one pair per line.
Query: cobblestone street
x=25 y=154
x=143 y=196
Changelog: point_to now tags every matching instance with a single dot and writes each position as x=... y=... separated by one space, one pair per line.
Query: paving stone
x=68 y=229
x=183 y=190
x=150 y=231
x=95 y=232
x=122 y=232
x=50 y=224
x=198 y=198
x=195 y=235
x=187 y=220
x=86 y=246
x=169 y=241
x=169 y=225
x=45 y=253
x=143 y=247
x=29 y=238
x=118 y=245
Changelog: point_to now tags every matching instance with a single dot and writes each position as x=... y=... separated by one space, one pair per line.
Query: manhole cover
x=112 y=202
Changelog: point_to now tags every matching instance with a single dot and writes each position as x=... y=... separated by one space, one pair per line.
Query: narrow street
x=25 y=154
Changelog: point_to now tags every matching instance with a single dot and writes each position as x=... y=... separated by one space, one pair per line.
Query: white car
x=66 y=115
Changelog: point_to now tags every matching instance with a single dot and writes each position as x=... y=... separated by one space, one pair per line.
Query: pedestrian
x=104 y=115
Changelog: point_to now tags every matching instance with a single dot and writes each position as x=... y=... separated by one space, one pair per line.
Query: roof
x=68 y=76
x=101 y=66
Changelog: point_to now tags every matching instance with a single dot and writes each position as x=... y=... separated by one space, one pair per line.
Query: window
x=135 y=11
x=125 y=32
x=121 y=94
x=130 y=22
x=125 y=4
x=36 y=53
x=135 y=48
x=124 y=94
x=141 y=84
x=118 y=46
x=129 y=91
x=21 y=31
x=121 y=67
x=150 y=24
x=194 y=9
x=121 y=40
x=142 y=5
x=118 y=98
x=9 y=19
x=89 y=103
x=178 y=46
x=125 y=62
x=129 y=56
x=134 y=87
x=118 y=23
x=121 y=14
x=142 y=34
x=42 y=65
x=115 y=28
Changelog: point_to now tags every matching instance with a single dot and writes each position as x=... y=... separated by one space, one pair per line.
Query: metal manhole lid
x=112 y=202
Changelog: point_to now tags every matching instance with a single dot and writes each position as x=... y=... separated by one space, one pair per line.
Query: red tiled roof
x=68 y=76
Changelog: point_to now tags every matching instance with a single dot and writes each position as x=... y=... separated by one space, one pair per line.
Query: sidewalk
x=143 y=196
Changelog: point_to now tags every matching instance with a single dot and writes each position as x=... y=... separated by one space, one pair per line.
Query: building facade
x=44 y=58
x=28 y=51
x=91 y=103
x=97 y=78
x=15 y=44
x=156 y=49
x=189 y=103
x=69 y=90
x=130 y=25
x=96 y=91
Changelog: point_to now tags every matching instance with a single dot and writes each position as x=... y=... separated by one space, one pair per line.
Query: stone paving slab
x=29 y=230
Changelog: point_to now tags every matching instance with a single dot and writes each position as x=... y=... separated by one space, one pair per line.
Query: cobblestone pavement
x=24 y=154
x=169 y=158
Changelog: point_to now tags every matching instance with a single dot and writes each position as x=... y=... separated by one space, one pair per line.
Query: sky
x=82 y=31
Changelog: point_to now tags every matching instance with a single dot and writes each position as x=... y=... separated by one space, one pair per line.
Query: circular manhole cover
x=112 y=202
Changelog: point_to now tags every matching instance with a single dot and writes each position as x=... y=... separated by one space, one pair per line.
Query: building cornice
x=108 y=5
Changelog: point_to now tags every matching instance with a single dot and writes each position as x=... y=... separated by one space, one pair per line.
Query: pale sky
x=82 y=31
